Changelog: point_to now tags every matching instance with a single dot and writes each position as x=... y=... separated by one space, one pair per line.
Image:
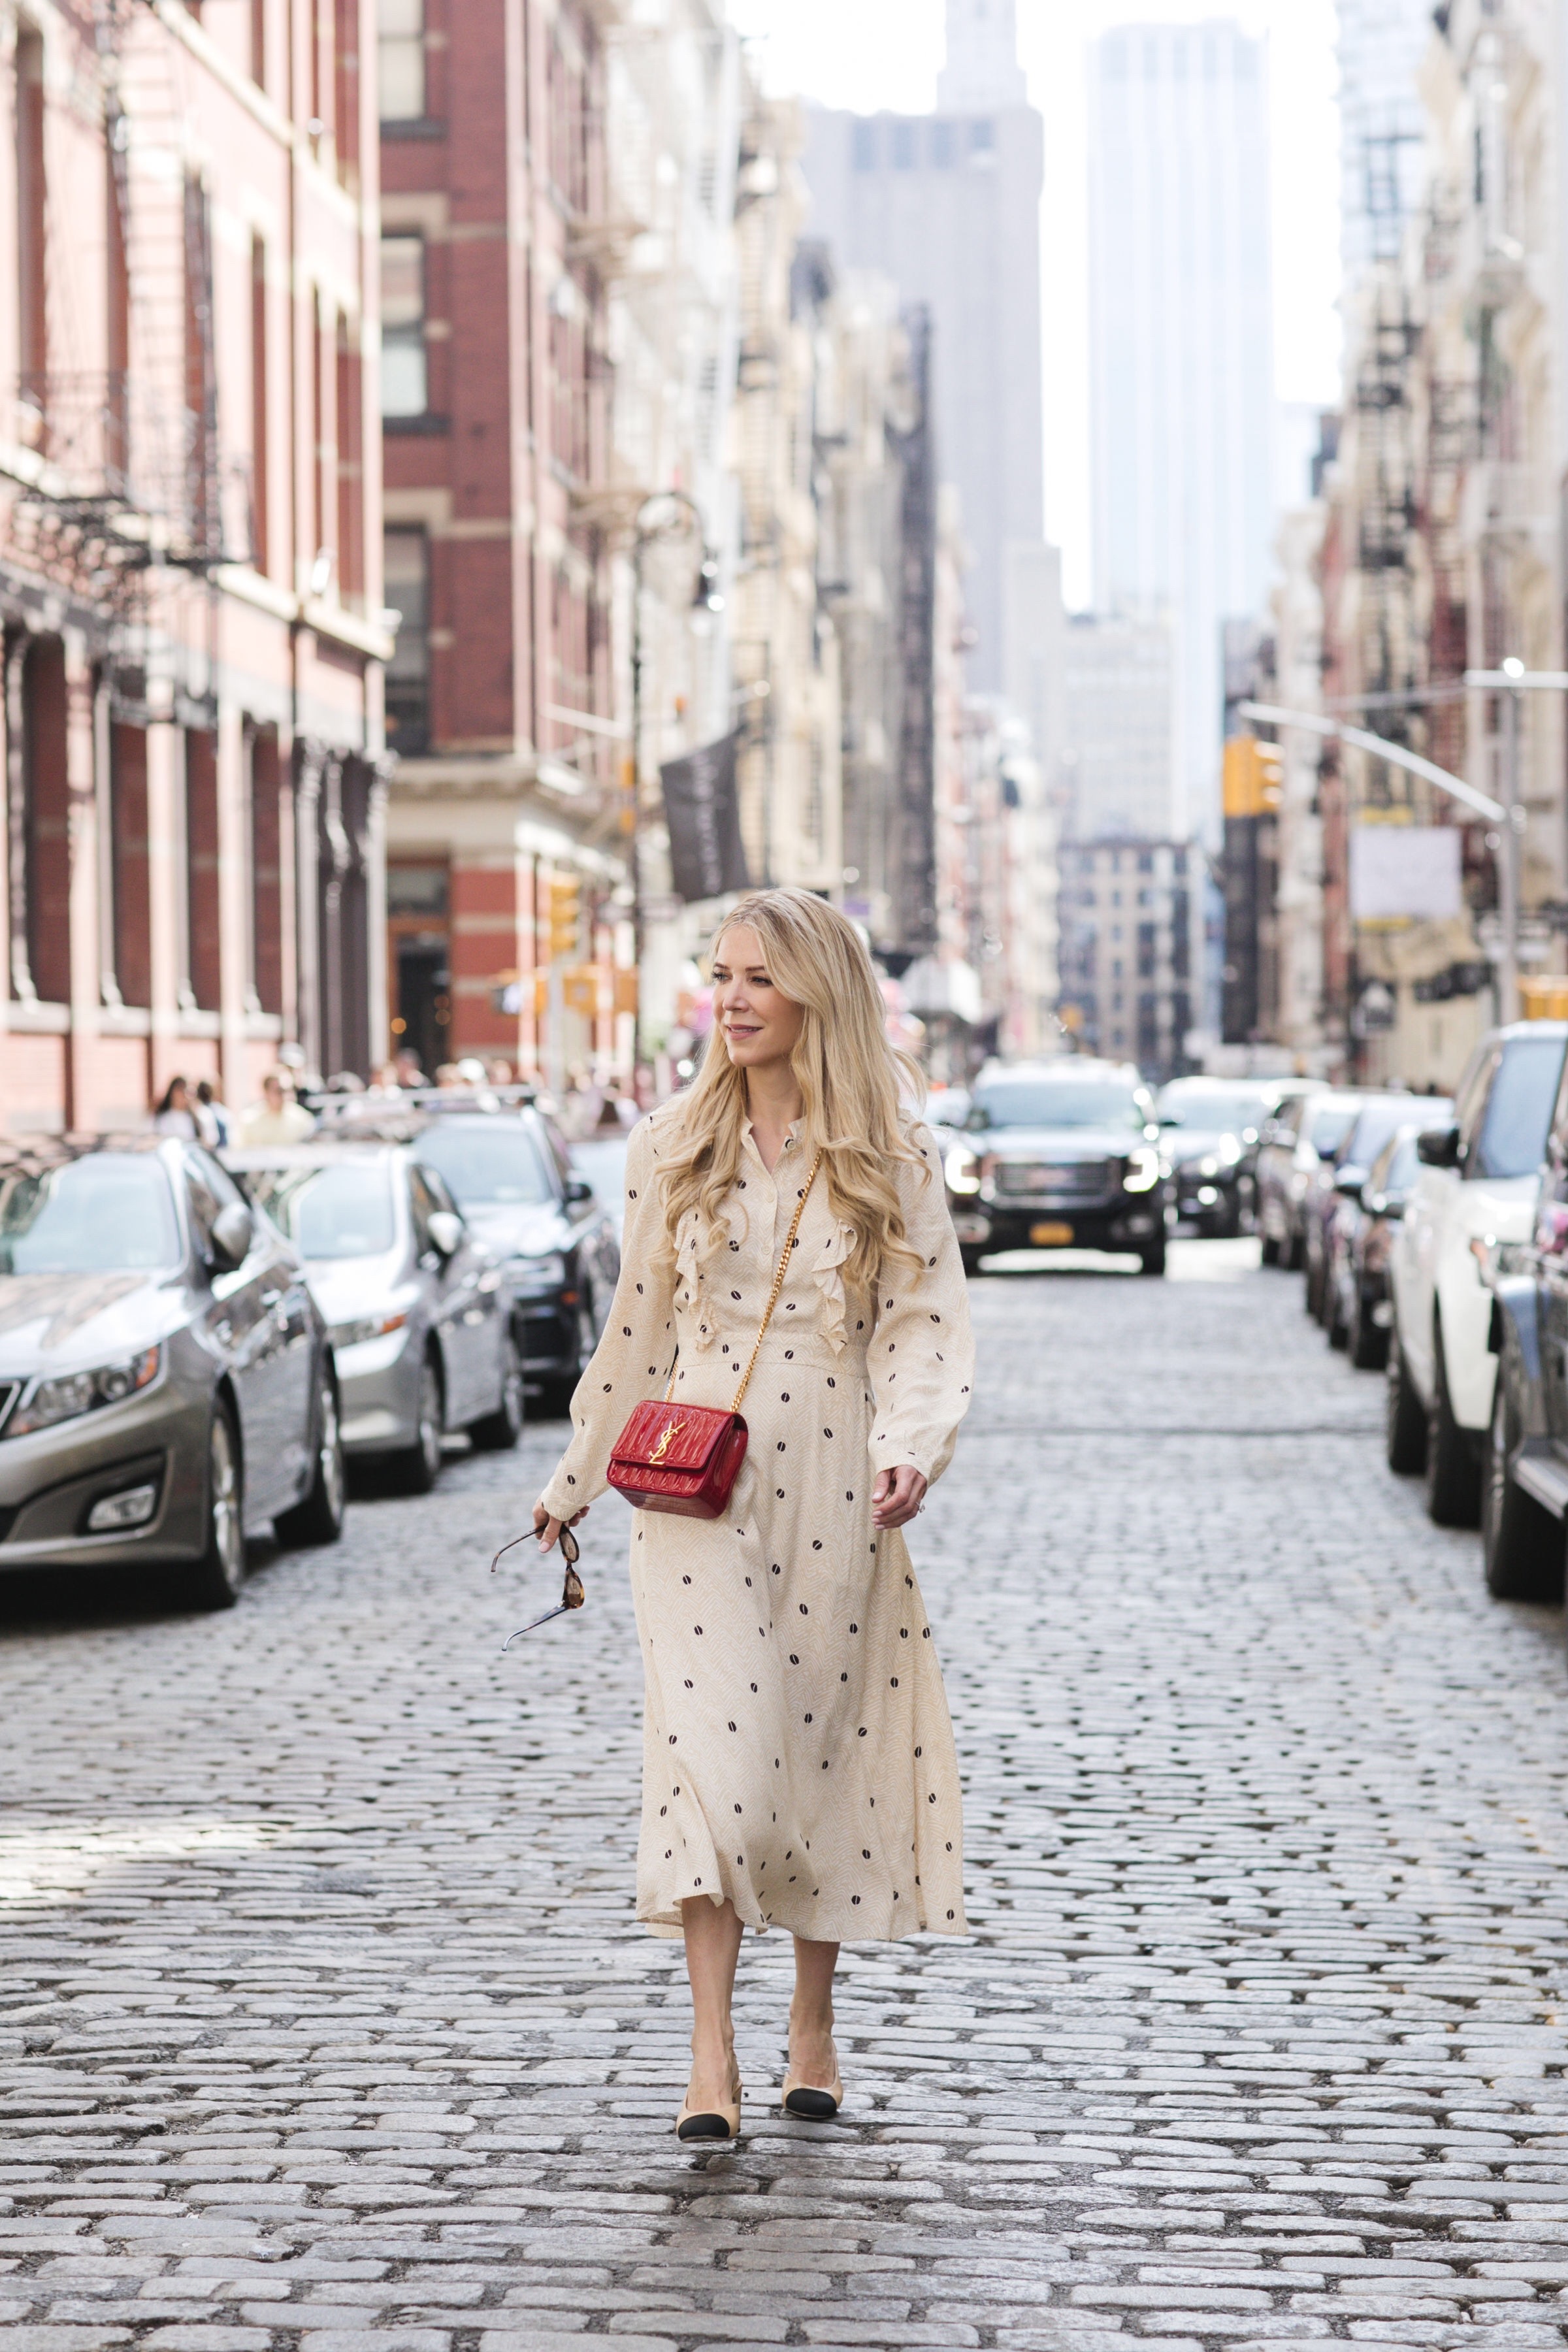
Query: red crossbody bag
x=685 y=1459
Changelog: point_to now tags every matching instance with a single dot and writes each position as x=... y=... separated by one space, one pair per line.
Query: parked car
x=1319 y=1200
x=1060 y=1155
x=166 y=1384
x=557 y=1241
x=416 y=1308
x=1525 y=1471
x=1360 y=1310
x=1476 y=1190
x=1376 y=1123
x=601 y=1162
x=1304 y=1131
x=1211 y=1129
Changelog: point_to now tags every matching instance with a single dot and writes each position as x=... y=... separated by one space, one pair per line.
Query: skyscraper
x=948 y=206
x=1180 y=332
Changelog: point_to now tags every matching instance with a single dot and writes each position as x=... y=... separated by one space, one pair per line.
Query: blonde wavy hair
x=851 y=1077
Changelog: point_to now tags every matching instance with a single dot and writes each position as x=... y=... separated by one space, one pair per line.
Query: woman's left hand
x=896 y=1496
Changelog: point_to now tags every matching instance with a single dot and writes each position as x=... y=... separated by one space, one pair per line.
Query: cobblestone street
x=326 y=2022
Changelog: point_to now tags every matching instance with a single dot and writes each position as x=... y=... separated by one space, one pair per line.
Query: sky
x=867 y=54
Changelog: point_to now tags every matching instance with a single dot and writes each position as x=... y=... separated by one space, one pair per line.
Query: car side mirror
x=1349 y=1183
x=445 y=1231
x=1439 y=1147
x=579 y=1191
x=233 y=1230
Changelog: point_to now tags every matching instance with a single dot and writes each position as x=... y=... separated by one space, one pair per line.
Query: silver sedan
x=416 y=1308
x=166 y=1387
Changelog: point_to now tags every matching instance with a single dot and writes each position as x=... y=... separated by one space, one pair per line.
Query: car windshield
x=601 y=1162
x=1519 y=1109
x=493 y=1166
x=1397 y=1166
x=1378 y=1121
x=108 y=1213
x=1060 y=1102
x=1215 y=1114
x=1327 y=1128
x=339 y=1210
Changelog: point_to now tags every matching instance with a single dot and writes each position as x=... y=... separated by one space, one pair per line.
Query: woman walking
x=798 y=1764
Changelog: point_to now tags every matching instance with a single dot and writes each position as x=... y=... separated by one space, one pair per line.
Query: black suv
x=1060 y=1155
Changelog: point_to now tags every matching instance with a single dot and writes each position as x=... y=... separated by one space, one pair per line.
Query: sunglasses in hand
x=572 y=1595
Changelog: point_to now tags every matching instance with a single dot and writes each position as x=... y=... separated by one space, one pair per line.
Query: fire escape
x=123 y=472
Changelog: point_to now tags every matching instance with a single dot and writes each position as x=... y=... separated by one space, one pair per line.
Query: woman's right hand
x=547 y=1529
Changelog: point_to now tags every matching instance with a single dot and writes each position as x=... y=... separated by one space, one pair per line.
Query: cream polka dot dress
x=797 y=1753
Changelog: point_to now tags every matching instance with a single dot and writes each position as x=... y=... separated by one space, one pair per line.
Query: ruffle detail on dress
x=828 y=1275
x=690 y=1285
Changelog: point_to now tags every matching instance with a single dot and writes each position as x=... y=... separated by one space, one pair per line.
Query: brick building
x=190 y=551
x=497 y=246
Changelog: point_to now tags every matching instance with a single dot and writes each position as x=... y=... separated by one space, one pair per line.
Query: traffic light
x=1254 y=774
x=565 y=915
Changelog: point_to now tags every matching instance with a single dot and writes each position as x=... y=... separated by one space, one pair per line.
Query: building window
x=203 y=935
x=904 y=137
x=864 y=147
x=941 y=146
x=130 y=885
x=266 y=781
x=40 y=824
x=408 y=592
x=400 y=58
x=982 y=137
x=404 y=390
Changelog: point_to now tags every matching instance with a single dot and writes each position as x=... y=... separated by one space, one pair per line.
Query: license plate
x=1051 y=1236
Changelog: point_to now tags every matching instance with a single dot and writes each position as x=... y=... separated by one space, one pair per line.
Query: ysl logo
x=671 y=1430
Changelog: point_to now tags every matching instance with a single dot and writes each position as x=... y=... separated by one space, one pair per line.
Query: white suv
x=1476 y=1187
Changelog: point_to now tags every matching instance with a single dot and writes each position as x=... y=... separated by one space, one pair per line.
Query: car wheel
x=218 y=1576
x=1522 y=1543
x=1367 y=1345
x=318 y=1516
x=1292 y=1255
x=1272 y=1253
x=418 y=1465
x=499 y=1432
x=1333 y=1320
x=1405 y=1422
x=1453 y=1472
x=1153 y=1259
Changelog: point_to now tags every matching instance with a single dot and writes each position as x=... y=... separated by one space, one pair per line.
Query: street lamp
x=662 y=514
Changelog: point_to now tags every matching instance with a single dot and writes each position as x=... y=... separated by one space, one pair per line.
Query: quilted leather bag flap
x=672 y=1437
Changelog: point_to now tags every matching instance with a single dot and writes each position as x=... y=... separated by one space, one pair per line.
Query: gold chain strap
x=773 y=1295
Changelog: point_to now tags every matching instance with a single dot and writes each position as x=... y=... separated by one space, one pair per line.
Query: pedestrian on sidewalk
x=799 y=1769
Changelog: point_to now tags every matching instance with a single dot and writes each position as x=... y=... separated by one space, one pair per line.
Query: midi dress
x=797 y=1751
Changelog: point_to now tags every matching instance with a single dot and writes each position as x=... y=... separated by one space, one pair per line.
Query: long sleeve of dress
x=634 y=1352
x=922 y=1357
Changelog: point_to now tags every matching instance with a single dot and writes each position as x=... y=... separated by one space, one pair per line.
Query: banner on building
x=1406 y=872
x=701 y=801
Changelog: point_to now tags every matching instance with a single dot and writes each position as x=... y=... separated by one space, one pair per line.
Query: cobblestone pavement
x=325 y=2022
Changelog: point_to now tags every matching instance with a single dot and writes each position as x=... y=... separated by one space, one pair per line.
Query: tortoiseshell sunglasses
x=572 y=1595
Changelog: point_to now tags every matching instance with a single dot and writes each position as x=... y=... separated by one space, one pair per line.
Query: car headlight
x=1229 y=1151
x=535 y=1275
x=1142 y=1170
x=1209 y=1166
x=364 y=1327
x=74 y=1393
x=961 y=1169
